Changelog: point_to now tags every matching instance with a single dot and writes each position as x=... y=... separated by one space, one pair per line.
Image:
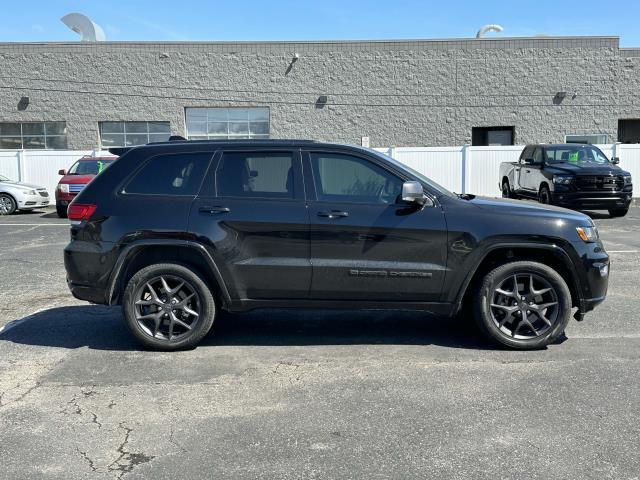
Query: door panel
x=367 y=244
x=257 y=226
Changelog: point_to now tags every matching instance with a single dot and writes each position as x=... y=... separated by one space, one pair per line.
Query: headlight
x=32 y=192
x=587 y=234
x=627 y=179
x=562 y=179
x=63 y=187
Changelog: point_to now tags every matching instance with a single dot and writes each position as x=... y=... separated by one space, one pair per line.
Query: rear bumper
x=87 y=293
x=596 y=200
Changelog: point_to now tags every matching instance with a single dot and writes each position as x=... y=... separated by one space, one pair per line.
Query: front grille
x=76 y=187
x=600 y=182
x=43 y=193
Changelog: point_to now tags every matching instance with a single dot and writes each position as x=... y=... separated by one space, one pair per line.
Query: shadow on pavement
x=103 y=328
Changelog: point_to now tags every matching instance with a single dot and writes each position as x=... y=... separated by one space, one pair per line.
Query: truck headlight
x=63 y=187
x=627 y=179
x=562 y=179
x=587 y=234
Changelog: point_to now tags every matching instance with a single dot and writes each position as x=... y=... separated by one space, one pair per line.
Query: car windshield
x=577 y=154
x=435 y=186
x=4 y=179
x=89 y=167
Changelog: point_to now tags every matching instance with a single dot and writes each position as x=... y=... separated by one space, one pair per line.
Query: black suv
x=176 y=231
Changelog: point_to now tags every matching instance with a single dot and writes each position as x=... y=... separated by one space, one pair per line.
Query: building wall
x=399 y=93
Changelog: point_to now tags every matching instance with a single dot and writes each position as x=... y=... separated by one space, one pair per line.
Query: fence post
x=391 y=152
x=21 y=159
x=466 y=156
x=616 y=149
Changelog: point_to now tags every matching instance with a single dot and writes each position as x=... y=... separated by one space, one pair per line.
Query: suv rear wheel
x=168 y=307
x=523 y=305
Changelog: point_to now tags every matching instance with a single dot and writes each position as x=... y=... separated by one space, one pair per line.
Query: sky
x=226 y=20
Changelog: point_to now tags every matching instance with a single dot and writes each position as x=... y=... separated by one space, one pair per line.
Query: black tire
x=544 y=196
x=618 y=212
x=137 y=290
x=515 y=332
x=61 y=211
x=506 y=190
x=8 y=204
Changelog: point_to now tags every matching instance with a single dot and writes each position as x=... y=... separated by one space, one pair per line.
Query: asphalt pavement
x=307 y=394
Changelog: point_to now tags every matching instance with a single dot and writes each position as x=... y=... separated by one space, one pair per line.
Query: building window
x=487 y=136
x=595 y=138
x=130 y=134
x=226 y=123
x=629 y=130
x=33 y=135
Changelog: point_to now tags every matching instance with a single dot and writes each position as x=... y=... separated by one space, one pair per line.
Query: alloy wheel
x=6 y=205
x=524 y=306
x=167 y=308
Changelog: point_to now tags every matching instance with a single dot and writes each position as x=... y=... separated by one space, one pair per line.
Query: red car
x=76 y=178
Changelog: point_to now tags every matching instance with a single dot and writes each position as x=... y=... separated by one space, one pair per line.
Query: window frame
x=228 y=136
x=310 y=181
x=124 y=133
x=44 y=135
x=123 y=185
x=299 y=190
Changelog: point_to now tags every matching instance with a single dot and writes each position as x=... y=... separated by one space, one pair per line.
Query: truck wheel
x=523 y=305
x=544 y=196
x=61 y=211
x=506 y=190
x=168 y=307
x=618 y=212
x=7 y=204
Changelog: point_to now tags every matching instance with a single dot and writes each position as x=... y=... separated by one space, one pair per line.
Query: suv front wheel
x=168 y=307
x=523 y=305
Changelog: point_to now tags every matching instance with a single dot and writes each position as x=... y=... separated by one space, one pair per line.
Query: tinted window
x=575 y=154
x=252 y=174
x=526 y=153
x=178 y=174
x=537 y=156
x=340 y=177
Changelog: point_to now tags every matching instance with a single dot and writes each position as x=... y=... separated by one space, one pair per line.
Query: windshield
x=577 y=154
x=4 y=179
x=89 y=167
x=438 y=188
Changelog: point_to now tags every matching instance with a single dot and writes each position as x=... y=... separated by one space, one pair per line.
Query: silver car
x=21 y=196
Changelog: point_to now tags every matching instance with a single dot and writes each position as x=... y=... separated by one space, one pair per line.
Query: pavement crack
x=88 y=460
x=127 y=460
x=20 y=397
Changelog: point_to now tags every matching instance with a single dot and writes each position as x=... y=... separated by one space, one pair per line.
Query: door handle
x=333 y=214
x=528 y=171
x=214 y=210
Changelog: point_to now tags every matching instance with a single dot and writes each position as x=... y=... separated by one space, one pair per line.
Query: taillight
x=80 y=211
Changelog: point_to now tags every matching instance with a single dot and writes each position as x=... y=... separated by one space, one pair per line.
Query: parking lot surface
x=304 y=394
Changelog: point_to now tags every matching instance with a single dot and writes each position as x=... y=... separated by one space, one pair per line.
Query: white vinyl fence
x=463 y=169
x=477 y=169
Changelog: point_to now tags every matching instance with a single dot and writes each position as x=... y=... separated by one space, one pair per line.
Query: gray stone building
x=400 y=93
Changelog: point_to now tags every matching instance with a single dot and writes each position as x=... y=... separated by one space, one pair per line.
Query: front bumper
x=26 y=202
x=87 y=293
x=64 y=199
x=597 y=200
x=594 y=269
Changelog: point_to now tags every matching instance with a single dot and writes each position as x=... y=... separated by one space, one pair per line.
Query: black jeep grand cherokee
x=176 y=231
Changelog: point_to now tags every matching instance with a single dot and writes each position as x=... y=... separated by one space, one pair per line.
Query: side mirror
x=62 y=171
x=615 y=160
x=528 y=161
x=414 y=193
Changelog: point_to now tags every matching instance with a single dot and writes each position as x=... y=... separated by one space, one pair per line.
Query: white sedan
x=21 y=196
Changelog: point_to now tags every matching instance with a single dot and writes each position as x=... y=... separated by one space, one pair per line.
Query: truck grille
x=600 y=182
x=76 y=187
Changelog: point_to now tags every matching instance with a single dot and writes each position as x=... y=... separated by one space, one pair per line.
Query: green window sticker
x=100 y=167
x=573 y=157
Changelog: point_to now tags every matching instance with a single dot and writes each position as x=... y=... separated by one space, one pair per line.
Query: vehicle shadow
x=102 y=328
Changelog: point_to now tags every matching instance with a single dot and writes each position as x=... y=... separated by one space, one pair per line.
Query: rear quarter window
x=170 y=174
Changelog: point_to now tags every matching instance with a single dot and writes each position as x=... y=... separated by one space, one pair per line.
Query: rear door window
x=256 y=175
x=170 y=174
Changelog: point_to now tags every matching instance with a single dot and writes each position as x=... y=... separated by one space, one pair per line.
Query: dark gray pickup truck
x=570 y=175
